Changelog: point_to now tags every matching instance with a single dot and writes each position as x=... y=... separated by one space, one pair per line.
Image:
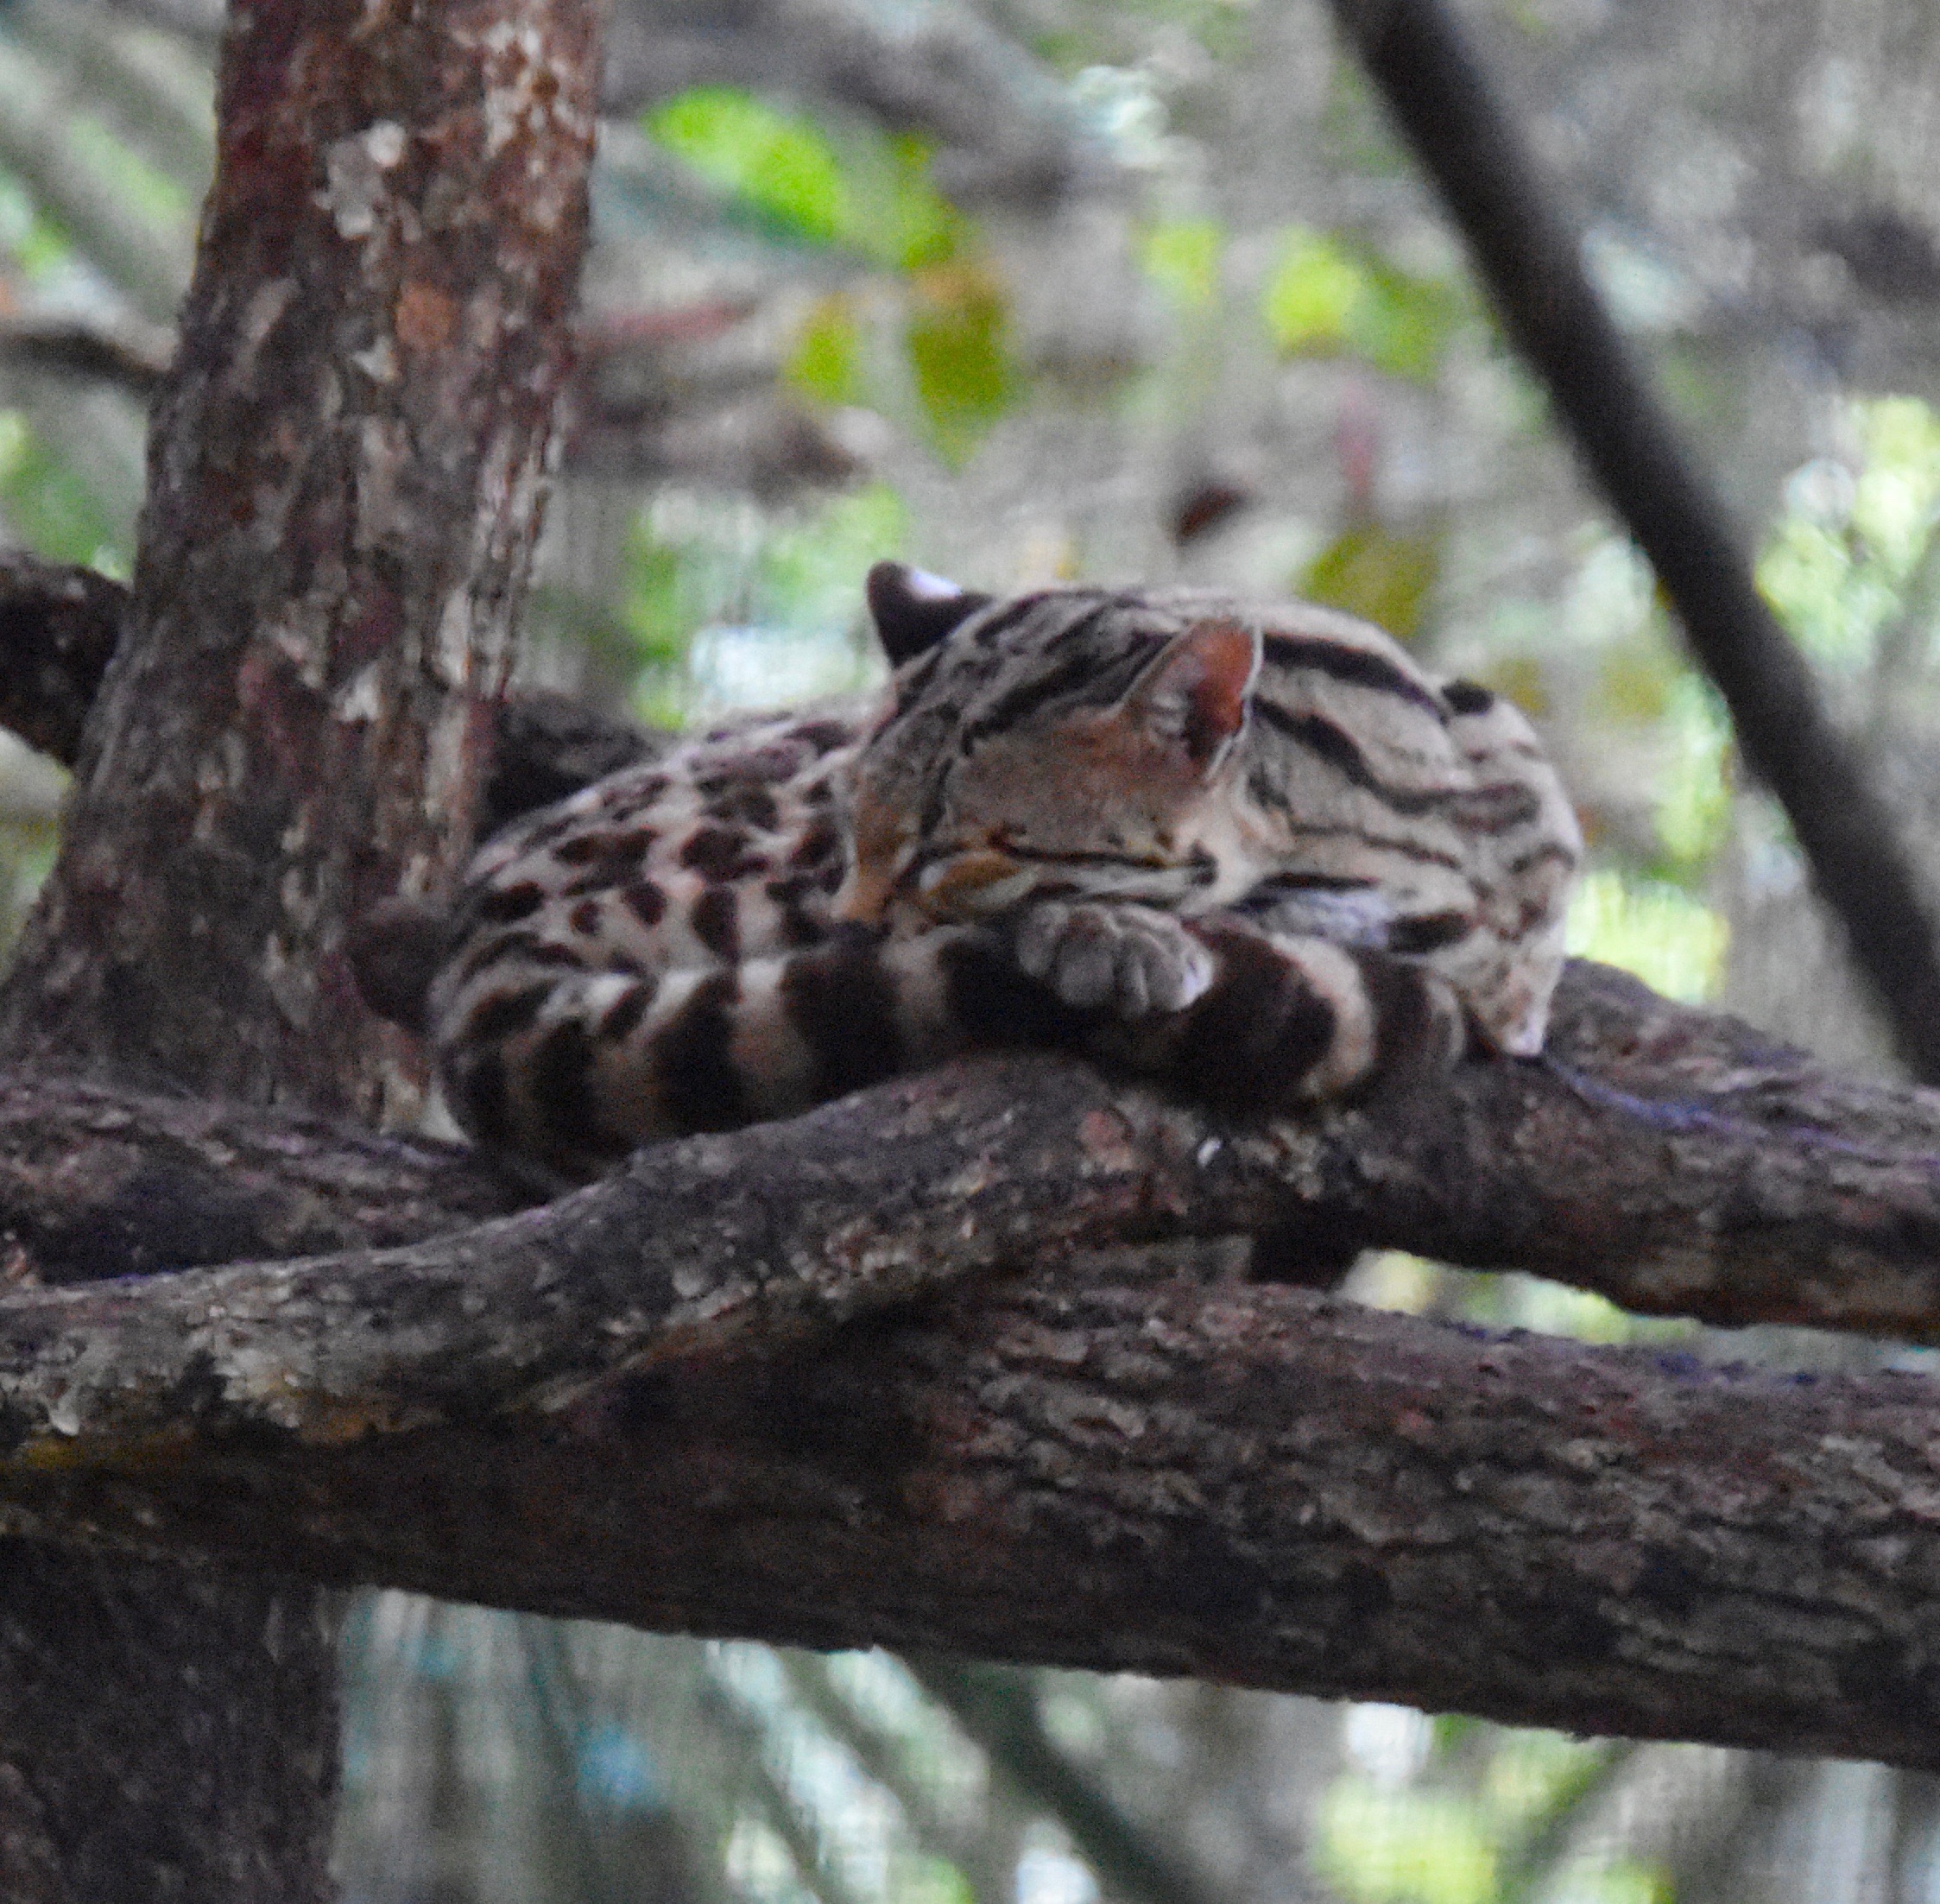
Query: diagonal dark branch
x=1529 y=255
x=998 y=1709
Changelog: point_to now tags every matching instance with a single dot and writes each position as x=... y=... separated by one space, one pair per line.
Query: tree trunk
x=345 y=475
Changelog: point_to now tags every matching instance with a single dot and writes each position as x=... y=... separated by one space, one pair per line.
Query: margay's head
x=1075 y=740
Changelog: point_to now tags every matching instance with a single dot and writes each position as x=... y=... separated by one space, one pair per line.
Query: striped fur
x=1252 y=850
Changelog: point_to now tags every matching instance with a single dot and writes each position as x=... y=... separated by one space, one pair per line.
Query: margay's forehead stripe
x=1357 y=667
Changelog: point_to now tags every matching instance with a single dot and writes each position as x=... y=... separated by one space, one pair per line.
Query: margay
x=1251 y=849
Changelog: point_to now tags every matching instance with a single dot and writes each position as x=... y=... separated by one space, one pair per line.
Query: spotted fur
x=1253 y=851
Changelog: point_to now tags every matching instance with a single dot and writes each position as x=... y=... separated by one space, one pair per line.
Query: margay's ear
x=913 y=610
x=1193 y=696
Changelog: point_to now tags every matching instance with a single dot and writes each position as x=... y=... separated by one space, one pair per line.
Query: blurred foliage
x=1330 y=294
x=871 y=192
x=1371 y=570
x=1182 y=255
x=49 y=506
x=32 y=241
x=736 y=607
x=1856 y=532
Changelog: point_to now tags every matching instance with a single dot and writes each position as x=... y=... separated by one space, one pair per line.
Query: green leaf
x=1675 y=945
x=958 y=339
x=779 y=163
x=49 y=506
x=35 y=242
x=826 y=361
x=868 y=190
x=1181 y=255
x=1327 y=296
x=1380 y=1846
x=1311 y=296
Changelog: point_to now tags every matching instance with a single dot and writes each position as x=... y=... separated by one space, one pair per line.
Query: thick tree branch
x=590 y=1408
x=1529 y=255
x=1264 y=1487
x=59 y=628
x=1750 y=1186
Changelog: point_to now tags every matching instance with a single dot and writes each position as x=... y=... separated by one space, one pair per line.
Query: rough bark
x=1261 y=1486
x=1670 y=1158
x=592 y=1408
x=346 y=461
x=344 y=469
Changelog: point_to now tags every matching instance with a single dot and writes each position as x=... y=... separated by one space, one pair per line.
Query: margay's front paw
x=1126 y=960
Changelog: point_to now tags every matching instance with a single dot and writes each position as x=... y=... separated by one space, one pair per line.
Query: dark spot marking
x=721 y=852
x=645 y=900
x=716 y=918
x=584 y=849
x=825 y=736
x=507 y=1015
x=508 y=904
x=1468 y=697
x=749 y=806
x=822 y=839
x=584 y=917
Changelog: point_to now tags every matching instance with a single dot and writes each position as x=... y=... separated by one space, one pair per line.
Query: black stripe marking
x=844 y=1004
x=1354 y=666
x=994 y=1003
x=1408 y=1031
x=560 y=1083
x=622 y=1017
x=520 y=947
x=1550 y=850
x=1306 y=882
x=694 y=1059
x=507 y=1015
x=1331 y=743
x=1428 y=932
x=479 y=1093
x=1258 y=1032
x=1401 y=847
x=1497 y=808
